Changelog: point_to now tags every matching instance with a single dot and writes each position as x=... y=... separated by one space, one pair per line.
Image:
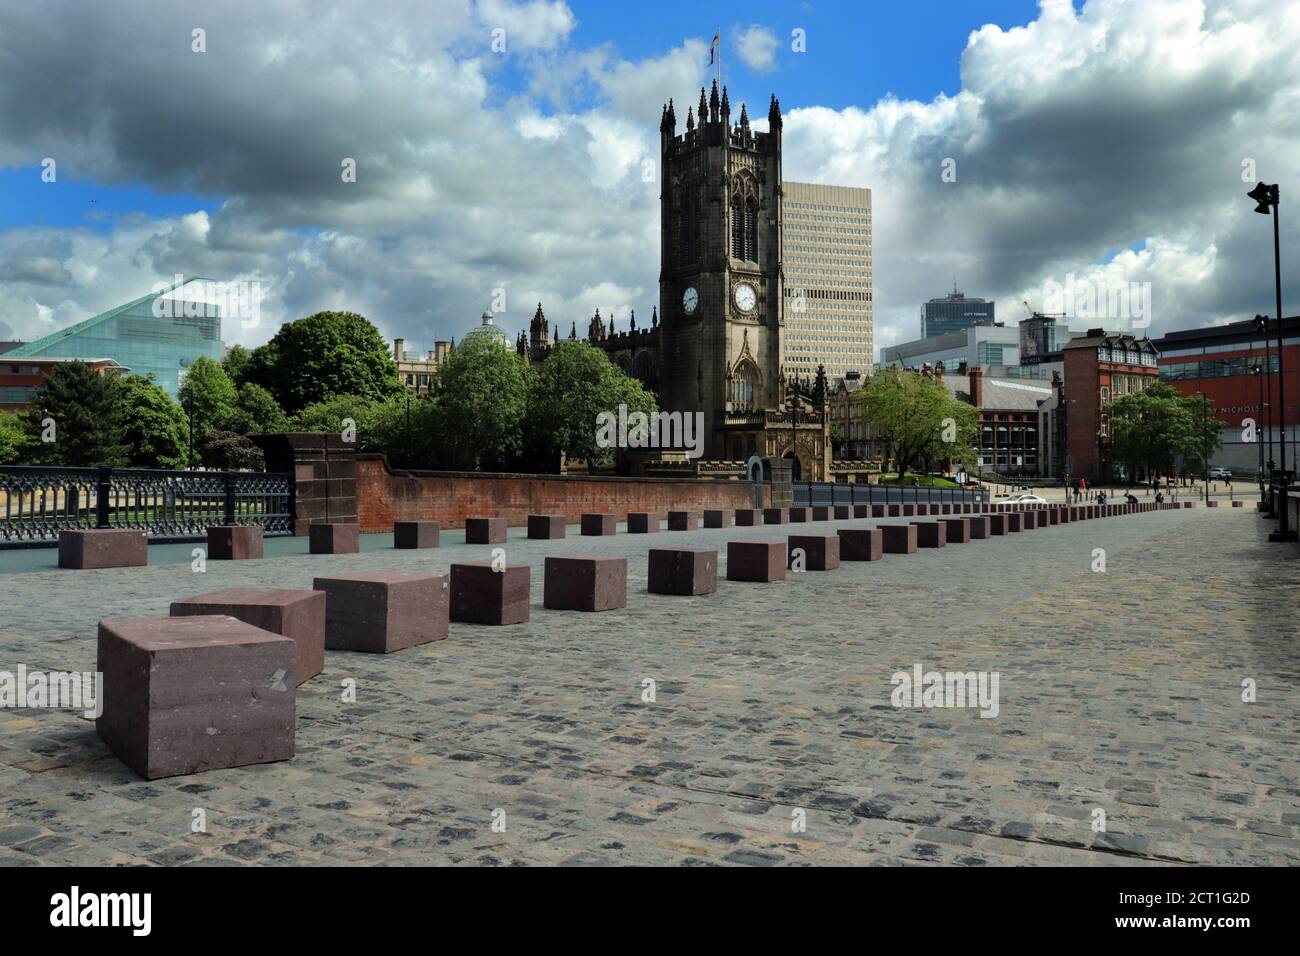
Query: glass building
x=148 y=336
x=954 y=313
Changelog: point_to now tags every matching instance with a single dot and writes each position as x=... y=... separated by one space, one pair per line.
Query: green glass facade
x=135 y=337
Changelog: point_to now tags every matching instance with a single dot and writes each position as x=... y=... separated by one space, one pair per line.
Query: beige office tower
x=826 y=256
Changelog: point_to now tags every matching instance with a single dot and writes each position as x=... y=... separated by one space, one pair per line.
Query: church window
x=737 y=230
x=751 y=233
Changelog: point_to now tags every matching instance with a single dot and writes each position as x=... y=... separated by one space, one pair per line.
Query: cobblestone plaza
x=771 y=737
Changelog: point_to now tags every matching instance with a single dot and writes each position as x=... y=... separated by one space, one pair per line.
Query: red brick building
x=1008 y=418
x=1099 y=368
x=20 y=377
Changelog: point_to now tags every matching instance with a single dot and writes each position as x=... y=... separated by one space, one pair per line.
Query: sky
x=501 y=150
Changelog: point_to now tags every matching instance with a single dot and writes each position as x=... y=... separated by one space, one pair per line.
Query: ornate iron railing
x=810 y=494
x=38 y=501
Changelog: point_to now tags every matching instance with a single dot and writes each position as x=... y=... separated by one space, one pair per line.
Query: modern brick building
x=1008 y=418
x=1099 y=367
x=20 y=377
x=1218 y=362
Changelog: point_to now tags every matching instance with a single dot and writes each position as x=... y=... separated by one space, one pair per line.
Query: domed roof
x=487 y=332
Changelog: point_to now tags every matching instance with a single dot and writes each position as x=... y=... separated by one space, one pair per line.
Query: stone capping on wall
x=385 y=494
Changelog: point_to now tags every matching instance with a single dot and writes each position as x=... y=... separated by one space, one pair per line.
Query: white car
x=1027 y=499
x=1220 y=474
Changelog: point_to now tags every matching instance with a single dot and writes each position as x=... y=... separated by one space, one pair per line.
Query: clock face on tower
x=691 y=300
x=745 y=296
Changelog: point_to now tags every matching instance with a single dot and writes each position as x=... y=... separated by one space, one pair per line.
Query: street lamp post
x=1259 y=372
x=1267 y=199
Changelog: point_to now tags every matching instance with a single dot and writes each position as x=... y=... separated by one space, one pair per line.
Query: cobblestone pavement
x=1119 y=691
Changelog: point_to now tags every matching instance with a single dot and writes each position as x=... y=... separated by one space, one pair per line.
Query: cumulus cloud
x=756 y=46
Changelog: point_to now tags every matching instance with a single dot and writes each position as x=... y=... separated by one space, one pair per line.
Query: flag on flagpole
x=713 y=48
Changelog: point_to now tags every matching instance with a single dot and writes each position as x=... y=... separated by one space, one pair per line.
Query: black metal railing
x=39 y=501
x=812 y=494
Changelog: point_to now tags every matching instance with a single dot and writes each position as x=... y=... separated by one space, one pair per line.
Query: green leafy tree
x=78 y=407
x=483 y=390
x=154 y=428
x=236 y=364
x=230 y=451
x=324 y=356
x=1151 y=428
x=574 y=385
x=917 y=418
x=255 y=410
x=208 y=397
x=13 y=438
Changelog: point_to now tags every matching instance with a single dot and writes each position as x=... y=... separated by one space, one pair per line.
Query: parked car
x=1027 y=499
x=1220 y=474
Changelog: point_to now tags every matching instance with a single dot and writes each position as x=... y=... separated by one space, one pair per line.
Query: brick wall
x=449 y=497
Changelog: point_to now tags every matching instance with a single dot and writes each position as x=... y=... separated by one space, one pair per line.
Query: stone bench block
x=800 y=515
x=980 y=526
x=416 y=535
x=379 y=612
x=748 y=517
x=297 y=615
x=776 y=516
x=642 y=522
x=1029 y=520
x=547 y=527
x=909 y=511
x=958 y=530
x=898 y=538
x=842 y=512
x=756 y=561
x=235 y=542
x=583 y=583
x=861 y=544
x=821 y=552
x=334 y=538
x=683 y=521
x=485 y=530
x=997 y=524
x=878 y=511
x=1053 y=516
x=480 y=594
x=1211 y=503
x=1237 y=504
x=599 y=525
x=683 y=571
x=862 y=511
x=930 y=534
x=89 y=548
x=1015 y=521
x=822 y=513
x=182 y=695
x=920 y=510
x=714 y=518
x=893 y=511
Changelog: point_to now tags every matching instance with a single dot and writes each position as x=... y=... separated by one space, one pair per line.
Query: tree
x=13 y=438
x=576 y=382
x=1151 y=428
x=229 y=451
x=255 y=410
x=208 y=397
x=78 y=412
x=917 y=418
x=154 y=428
x=379 y=427
x=236 y=363
x=483 y=390
x=324 y=356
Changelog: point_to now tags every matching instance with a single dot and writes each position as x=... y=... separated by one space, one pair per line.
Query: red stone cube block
x=930 y=534
x=861 y=544
x=379 y=612
x=716 y=519
x=235 y=542
x=821 y=552
x=1015 y=521
x=748 y=517
x=843 y=512
x=485 y=530
x=1029 y=520
x=799 y=515
x=958 y=530
x=182 y=695
x=683 y=521
x=89 y=548
x=683 y=571
x=295 y=614
x=1237 y=504
x=584 y=583
x=756 y=561
x=416 y=535
x=878 y=511
x=546 y=527
x=776 y=516
x=821 y=513
x=921 y=509
x=481 y=594
x=909 y=511
x=642 y=522
x=334 y=538
x=980 y=526
x=997 y=523
x=893 y=511
x=898 y=538
x=599 y=525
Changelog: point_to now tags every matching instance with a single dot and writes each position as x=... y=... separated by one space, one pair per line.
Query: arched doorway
x=796 y=470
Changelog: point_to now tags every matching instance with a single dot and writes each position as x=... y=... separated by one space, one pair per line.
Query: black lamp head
x=1263 y=196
